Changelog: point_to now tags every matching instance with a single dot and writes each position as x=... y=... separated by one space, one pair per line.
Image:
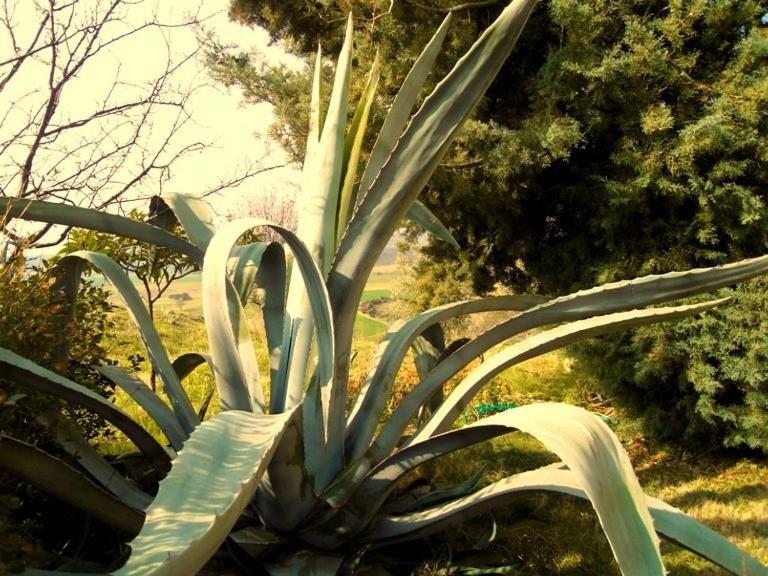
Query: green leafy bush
x=34 y=323
x=702 y=380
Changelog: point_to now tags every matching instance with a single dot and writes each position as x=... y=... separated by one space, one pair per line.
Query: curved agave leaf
x=353 y=144
x=149 y=401
x=324 y=410
x=600 y=300
x=602 y=469
x=317 y=230
x=69 y=437
x=374 y=392
x=184 y=365
x=234 y=359
x=401 y=108
x=604 y=299
x=542 y=343
x=529 y=348
x=158 y=356
x=427 y=221
x=265 y=269
x=410 y=165
x=212 y=481
x=195 y=217
x=27 y=374
x=669 y=522
x=63 y=481
x=65 y=215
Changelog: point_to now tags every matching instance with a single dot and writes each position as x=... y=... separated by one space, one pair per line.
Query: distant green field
x=379 y=286
x=367 y=328
x=376 y=294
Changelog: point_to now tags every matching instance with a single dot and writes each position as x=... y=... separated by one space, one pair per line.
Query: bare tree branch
x=117 y=144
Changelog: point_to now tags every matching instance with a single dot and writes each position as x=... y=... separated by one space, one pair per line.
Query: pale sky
x=219 y=116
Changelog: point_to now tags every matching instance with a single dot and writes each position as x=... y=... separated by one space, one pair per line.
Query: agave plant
x=303 y=479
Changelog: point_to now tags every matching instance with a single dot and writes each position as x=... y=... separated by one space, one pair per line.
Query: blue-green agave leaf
x=149 y=401
x=64 y=215
x=59 y=479
x=411 y=164
x=602 y=469
x=158 y=356
x=27 y=374
x=374 y=392
x=425 y=219
x=212 y=481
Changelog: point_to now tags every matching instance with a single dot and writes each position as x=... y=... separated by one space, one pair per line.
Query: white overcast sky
x=238 y=131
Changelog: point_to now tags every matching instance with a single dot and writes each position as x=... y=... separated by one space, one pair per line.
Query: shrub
x=33 y=322
x=700 y=381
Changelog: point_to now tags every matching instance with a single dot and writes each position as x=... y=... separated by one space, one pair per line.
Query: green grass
x=376 y=294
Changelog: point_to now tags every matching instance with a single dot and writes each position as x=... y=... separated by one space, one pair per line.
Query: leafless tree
x=276 y=205
x=96 y=141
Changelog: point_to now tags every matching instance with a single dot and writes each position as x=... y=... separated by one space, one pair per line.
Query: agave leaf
x=149 y=401
x=315 y=113
x=669 y=522
x=158 y=356
x=353 y=144
x=545 y=342
x=286 y=496
x=317 y=230
x=324 y=410
x=602 y=469
x=212 y=481
x=29 y=375
x=185 y=364
x=66 y=483
x=243 y=266
x=427 y=221
x=525 y=350
x=604 y=299
x=55 y=213
x=375 y=391
x=270 y=276
x=234 y=359
x=69 y=437
x=410 y=165
x=195 y=217
x=403 y=104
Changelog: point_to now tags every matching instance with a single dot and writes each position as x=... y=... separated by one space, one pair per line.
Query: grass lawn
x=537 y=534
x=376 y=294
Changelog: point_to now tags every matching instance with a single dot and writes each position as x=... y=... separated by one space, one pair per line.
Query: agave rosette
x=307 y=469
